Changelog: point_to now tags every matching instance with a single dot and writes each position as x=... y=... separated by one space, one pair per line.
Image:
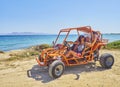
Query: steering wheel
x=67 y=45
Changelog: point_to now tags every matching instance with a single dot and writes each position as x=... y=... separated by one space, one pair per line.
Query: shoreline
x=113 y=43
x=20 y=42
x=34 y=50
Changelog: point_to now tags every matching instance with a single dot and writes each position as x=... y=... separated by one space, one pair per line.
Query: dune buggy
x=56 y=60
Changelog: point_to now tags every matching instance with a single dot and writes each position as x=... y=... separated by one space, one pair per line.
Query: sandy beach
x=14 y=73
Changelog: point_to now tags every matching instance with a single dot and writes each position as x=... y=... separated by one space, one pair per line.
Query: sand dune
x=14 y=74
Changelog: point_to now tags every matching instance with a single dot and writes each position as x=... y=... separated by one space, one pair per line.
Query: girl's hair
x=80 y=37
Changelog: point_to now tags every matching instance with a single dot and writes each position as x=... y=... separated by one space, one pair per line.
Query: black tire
x=56 y=69
x=106 y=60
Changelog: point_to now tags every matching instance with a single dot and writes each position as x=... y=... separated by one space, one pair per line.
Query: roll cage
x=86 y=29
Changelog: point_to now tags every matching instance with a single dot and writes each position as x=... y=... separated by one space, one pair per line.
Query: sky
x=49 y=16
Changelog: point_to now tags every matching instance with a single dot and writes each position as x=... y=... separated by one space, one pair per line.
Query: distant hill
x=34 y=33
x=112 y=33
x=23 y=33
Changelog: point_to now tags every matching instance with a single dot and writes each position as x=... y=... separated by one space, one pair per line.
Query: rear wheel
x=106 y=60
x=56 y=69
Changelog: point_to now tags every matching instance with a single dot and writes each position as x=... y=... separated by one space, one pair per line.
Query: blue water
x=12 y=42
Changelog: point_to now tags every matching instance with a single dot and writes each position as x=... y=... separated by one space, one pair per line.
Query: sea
x=14 y=42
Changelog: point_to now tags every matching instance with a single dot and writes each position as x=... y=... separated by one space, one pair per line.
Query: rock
x=1 y=51
x=10 y=54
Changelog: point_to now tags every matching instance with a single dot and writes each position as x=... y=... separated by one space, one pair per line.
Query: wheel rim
x=58 y=70
x=109 y=61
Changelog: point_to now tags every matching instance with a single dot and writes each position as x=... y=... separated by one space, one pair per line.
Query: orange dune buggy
x=56 y=60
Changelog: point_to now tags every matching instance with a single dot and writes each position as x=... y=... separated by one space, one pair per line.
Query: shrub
x=42 y=46
x=113 y=45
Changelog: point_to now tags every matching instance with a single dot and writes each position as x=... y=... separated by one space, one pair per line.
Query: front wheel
x=56 y=69
x=106 y=60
